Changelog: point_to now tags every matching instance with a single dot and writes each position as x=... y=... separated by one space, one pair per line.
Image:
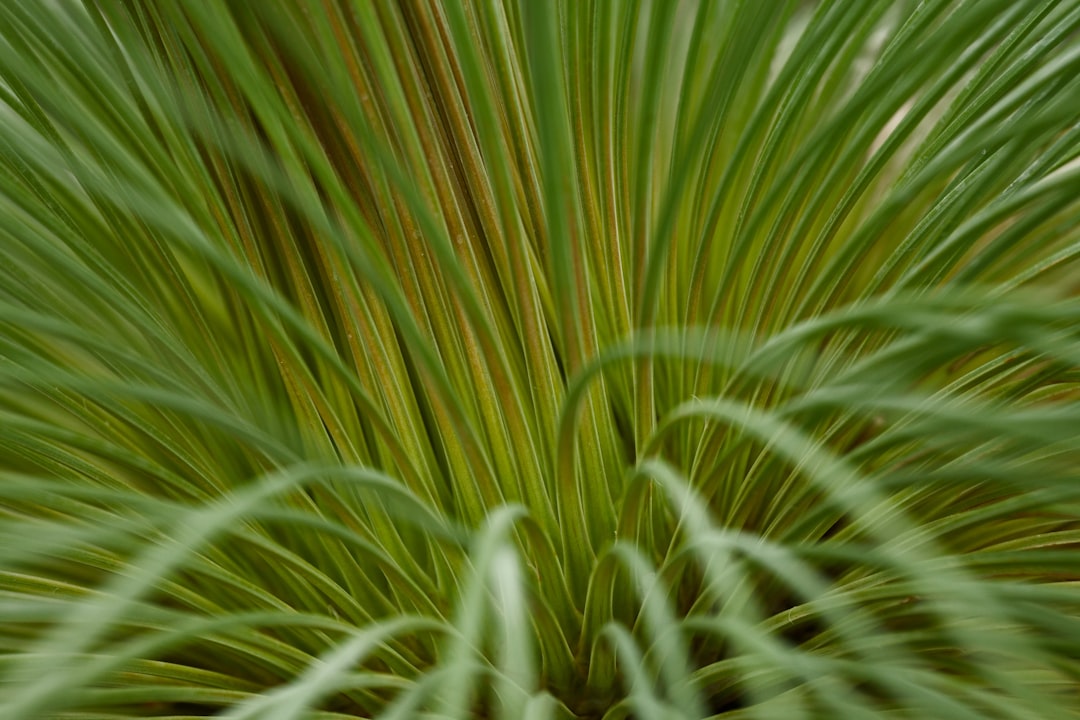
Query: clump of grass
x=534 y=360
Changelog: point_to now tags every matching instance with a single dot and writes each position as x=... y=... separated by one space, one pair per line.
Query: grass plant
x=534 y=360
